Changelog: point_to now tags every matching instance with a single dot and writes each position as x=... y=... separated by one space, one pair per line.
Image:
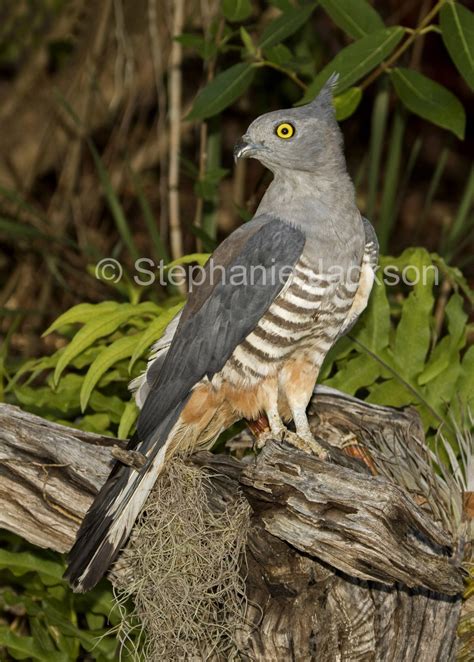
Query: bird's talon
x=268 y=435
x=306 y=443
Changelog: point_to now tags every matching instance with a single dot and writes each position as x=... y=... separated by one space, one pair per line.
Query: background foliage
x=118 y=120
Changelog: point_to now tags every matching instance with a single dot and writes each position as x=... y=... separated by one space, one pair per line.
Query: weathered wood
x=361 y=525
x=342 y=565
x=49 y=475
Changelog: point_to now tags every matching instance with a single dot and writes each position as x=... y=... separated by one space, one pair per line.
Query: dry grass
x=182 y=572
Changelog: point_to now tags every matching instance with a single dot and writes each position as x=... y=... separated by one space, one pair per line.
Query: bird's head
x=302 y=138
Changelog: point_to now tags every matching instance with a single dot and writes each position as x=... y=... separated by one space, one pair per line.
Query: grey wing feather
x=223 y=311
x=141 y=385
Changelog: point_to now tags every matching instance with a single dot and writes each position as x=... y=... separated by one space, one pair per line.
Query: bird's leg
x=277 y=428
x=303 y=432
x=297 y=380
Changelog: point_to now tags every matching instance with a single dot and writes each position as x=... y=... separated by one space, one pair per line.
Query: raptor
x=250 y=341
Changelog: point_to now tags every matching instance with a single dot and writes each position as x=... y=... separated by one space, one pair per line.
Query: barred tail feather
x=109 y=521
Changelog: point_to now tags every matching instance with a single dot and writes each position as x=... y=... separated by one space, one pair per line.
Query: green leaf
x=457 y=320
x=247 y=41
x=81 y=314
x=200 y=258
x=359 y=372
x=19 y=563
x=99 y=327
x=347 y=102
x=465 y=386
x=153 y=333
x=356 y=60
x=457 y=29
x=117 y=351
x=129 y=416
x=391 y=393
x=413 y=335
x=438 y=362
x=280 y=55
x=429 y=100
x=373 y=329
x=356 y=17
x=236 y=10
x=40 y=634
x=98 y=423
x=226 y=87
x=26 y=648
x=439 y=391
x=285 y=25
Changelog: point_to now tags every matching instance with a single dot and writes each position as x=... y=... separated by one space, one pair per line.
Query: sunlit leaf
x=153 y=333
x=129 y=416
x=346 y=103
x=117 y=351
x=247 y=41
x=96 y=328
x=81 y=314
x=200 y=258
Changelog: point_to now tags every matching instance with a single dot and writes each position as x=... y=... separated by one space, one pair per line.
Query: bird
x=276 y=295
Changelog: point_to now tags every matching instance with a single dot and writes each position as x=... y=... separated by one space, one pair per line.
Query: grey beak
x=242 y=148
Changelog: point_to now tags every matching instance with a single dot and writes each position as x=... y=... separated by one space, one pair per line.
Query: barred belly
x=302 y=322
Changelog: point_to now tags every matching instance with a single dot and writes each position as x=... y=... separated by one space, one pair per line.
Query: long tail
x=108 y=522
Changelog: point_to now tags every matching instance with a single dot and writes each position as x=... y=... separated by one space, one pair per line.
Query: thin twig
x=174 y=92
x=406 y=44
x=286 y=71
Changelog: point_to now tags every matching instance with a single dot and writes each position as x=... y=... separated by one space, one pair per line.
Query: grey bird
x=249 y=345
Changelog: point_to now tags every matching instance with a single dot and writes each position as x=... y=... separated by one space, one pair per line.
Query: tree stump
x=349 y=559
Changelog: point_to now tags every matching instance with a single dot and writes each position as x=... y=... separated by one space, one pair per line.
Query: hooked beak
x=245 y=148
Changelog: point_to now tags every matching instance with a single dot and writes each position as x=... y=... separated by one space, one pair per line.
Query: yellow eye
x=285 y=130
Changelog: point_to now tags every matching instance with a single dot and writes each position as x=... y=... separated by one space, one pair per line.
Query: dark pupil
x=284 y=130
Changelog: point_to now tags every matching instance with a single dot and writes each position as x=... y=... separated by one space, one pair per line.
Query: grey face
x=302 y=138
